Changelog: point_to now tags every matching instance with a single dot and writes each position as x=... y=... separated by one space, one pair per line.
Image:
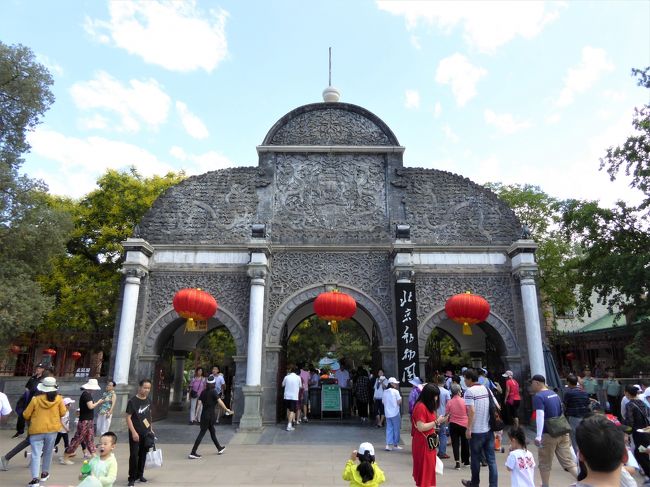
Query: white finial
x=331 y=94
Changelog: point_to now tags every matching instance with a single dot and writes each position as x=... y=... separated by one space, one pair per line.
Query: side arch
x=295 y=301
x=498 y=329
x=168 y=322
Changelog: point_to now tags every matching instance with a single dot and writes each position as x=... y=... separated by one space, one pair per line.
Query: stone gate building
x=330 y=203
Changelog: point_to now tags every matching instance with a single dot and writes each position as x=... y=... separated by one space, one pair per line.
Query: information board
x=330 y=398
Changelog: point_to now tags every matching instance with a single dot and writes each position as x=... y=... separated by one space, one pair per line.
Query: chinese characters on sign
x=407 y=332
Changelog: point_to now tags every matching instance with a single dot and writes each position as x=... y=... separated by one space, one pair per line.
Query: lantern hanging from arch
x=15 y=349
x=334 y=306
x=196 y=306
x=571 y=356
x=49 y=351
x=75 y=356
x=467 y=309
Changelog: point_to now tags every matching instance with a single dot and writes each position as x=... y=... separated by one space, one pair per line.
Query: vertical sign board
x=407 y=332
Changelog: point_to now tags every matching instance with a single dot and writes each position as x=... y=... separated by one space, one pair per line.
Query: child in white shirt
x=520 y=461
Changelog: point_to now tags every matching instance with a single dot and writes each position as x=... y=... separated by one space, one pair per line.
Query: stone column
x=524 y=268
x=179 y=371
x=257 y=270
x=135 y=267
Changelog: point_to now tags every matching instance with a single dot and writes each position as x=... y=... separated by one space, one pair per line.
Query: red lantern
x=15 y=349
x=335 y=306
x=570 y=356
x=196 y=306
x=75 y=355
x=49 y=351
x=467 y=309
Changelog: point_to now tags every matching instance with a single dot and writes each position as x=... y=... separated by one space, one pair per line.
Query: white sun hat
x=91 y=385
x=48 y=385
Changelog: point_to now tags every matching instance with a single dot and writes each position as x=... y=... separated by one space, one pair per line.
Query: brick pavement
x=313 y=455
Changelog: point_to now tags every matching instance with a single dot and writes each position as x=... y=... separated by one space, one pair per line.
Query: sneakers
x=193 y=456
x=17 y=434
x=290 y=428
x=131 y=483
x=397 y=447
x=34 y=483
x=388 y=448
x=467 y=483
x=4 y=463
x=64 y=461
x=221 y=450
x=457 y=467
x=305 y=420
x=45 y=476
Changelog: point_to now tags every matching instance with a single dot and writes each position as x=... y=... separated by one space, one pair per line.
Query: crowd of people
x=600 y=439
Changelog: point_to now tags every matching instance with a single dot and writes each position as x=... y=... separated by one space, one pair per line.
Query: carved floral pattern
x=330 y=126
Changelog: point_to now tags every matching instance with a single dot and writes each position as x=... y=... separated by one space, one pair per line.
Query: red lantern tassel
x=467 y=330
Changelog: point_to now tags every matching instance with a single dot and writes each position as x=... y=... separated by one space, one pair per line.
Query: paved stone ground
x=313 y=455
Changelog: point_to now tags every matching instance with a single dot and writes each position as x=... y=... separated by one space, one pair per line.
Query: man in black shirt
x=138 y=419
x=576 y=406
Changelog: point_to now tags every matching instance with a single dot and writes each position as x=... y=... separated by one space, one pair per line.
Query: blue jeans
x=482 y=444
x=42 y=443
x=392 y=430
x=442 y=434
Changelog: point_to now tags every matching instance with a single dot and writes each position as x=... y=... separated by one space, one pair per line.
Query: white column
x=127 y=326
x=533 y=325
x=257 y=270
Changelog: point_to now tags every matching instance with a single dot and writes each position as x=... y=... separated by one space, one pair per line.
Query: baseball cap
x=68 y=400
x=415 y=381
x=507 y=374
x=393 y=380
x=40 y=365
x=366 y=447
x=538 y=378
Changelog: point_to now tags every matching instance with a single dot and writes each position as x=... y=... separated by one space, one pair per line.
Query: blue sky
x=518 y=92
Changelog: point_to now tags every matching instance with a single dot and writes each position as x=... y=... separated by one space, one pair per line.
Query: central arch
x=299 y=299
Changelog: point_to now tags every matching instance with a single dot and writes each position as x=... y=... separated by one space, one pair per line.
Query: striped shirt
x=478 y=397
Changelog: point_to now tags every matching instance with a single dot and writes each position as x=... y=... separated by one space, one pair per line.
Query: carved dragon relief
x=330 y=197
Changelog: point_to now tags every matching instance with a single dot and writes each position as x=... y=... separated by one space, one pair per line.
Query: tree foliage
x=85 y=282
x=32 y=230
x=614 y=262
x=542 y=215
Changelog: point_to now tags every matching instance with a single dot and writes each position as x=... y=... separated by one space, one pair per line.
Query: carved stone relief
x=369 y=272
x=329 y=198
x=433 y=290
x=447 y=209
x=216 y=207
x=330 y=126
x=231 y=290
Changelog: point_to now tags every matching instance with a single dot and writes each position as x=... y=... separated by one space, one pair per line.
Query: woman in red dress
x=423 y=423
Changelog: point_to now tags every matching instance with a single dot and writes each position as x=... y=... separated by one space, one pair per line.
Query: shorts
x=291 y=404
x=513 y=409
x=560 y=447
x=305 y=398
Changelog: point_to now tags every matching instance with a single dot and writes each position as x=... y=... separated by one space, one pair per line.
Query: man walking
x=445 y=396
x=479 y=434
x=138 y=419
x=547 y=405
x=576 y=406
x=613 y=390
x=292 y=385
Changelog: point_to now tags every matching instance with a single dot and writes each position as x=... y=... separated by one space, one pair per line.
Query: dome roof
x=330 y=124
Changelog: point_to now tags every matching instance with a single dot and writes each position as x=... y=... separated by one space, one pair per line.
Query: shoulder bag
x=432 y=439
x=495 y=421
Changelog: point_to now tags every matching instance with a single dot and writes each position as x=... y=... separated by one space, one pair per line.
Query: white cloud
x=486 y=25
x=553 y=118
x=463 y=76
x=615 y=95
x=412 y=99
x=437 y=110
x=593 y=64
x=177 y=35
x=193 y=125
x=504 y=122
x=200 y=163
x=94 y=122
x=81 y=160
x=450 y=134
x=52 y=66
x=135 y=103
x=415 y=42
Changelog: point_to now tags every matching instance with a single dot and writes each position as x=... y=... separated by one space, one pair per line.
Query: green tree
x=32 y=231
x=542 y=215
x=614 y=260
x=85 y=282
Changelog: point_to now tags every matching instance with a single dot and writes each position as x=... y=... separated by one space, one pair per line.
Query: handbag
x=557 y=426
x=154 y=458
x=495 y=421
x=432 y=439
x=194 y=394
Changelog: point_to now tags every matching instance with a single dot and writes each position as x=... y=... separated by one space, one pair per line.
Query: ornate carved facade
x=330 y=188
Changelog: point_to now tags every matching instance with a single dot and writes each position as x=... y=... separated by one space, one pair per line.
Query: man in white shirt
x=342 y=376
x=292 y=384
x=219 y=387
x=5 y=408
x=479 y=434
x=445 y=396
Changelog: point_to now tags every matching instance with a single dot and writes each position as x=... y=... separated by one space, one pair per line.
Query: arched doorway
x=166 y=341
